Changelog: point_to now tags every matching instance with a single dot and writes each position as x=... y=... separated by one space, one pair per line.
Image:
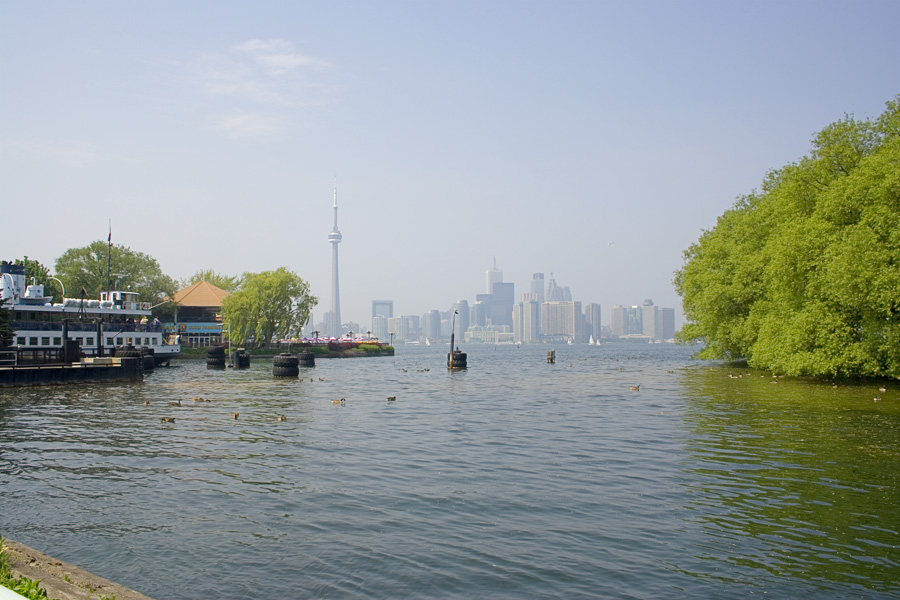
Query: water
x=513 y=479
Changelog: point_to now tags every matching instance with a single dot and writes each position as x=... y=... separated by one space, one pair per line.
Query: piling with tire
x=306 y=359
x=148 y=358
x=215 y=357
x=457 y=360
x=285 y=365
x=240 y=359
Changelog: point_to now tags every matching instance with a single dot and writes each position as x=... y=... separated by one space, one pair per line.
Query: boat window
x=57 y=341
x=45 y=341
x=32 y=341
x=109 y=341
x=20 y=341
x=89 y=341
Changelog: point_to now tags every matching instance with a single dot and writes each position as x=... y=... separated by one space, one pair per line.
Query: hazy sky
x=594 y=140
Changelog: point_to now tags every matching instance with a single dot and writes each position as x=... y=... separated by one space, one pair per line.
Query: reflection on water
x=795 y=479
x=514 y=478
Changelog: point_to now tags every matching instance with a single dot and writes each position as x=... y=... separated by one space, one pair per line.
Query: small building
x=198 y=318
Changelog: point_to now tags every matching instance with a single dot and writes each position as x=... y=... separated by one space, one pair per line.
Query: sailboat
x=591 y=341
x=427 y=342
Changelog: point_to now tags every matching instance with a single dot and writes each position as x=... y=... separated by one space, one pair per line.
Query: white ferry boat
x=116 y=319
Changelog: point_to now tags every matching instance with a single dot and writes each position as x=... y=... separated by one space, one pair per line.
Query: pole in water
x=456 y=359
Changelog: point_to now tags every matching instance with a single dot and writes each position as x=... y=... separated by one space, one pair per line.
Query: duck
x=146 y=403
x=321 y=379
x=282 y=417
x=877 y=398
x=234 y=415
x=167 y=420
x=176 y=403
x=336 y=401
x=635 y=388
x=882 y=389
x=391 y=398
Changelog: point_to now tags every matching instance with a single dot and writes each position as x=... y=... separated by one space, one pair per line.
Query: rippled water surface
x=513 y=479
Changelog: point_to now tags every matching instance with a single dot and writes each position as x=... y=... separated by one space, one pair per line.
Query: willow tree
x=803 y=276
x=271 y=304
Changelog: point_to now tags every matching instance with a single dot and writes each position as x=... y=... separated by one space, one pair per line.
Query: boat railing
x=9 y=357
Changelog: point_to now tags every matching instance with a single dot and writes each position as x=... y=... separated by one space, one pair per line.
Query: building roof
x=201 y=294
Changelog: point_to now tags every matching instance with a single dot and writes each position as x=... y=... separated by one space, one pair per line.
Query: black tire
x=215 y=350
x=285 y=360
x=278 y=371
x=215 y=361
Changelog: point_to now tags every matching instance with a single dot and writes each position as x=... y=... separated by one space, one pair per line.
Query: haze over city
x=591 y=140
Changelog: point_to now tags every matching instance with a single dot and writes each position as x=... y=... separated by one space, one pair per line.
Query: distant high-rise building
x=462 y=319
x=431 y=325
x=526 y=321
x=666 y=323
x=562 y=320
x=380 y=327
x=333 y=323
x=479 y=313
x=556 y=293
x=617 y=320
x=633 y=318
x=592 y=320
x=385 y=308
x=493 y=275
x=648 y=319
x=502 y=300
x=537 y=286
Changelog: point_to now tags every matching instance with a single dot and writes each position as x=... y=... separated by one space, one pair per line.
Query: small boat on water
x=118 y=318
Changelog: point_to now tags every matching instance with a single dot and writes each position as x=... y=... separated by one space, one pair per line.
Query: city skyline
x=592 y=140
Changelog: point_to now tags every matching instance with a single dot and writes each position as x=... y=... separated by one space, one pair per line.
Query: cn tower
x=335 y=238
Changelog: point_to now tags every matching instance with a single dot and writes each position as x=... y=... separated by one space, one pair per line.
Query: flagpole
x=108 y=259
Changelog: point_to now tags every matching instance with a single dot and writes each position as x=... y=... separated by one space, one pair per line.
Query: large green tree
x=129 y=270
x=803 y=276
x=229 y=283
x=268 y=304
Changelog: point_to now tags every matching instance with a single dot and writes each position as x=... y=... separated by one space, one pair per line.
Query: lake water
x=512 y=479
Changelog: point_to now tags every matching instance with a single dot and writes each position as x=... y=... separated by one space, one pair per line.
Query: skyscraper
x=492 y=276
x=537 y=286
x=333 y=322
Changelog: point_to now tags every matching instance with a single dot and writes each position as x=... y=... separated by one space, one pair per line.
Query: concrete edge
x=53 y=575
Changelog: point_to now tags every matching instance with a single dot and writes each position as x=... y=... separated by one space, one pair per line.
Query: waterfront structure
x=333 y=318
x=198 y=314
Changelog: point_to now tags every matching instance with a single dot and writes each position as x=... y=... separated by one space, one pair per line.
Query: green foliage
x=23 y=586
x=229 y=283
x=271 y=304
x=803 y=278
x=129 y=271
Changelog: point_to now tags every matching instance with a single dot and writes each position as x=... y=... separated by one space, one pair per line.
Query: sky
x=593 y=140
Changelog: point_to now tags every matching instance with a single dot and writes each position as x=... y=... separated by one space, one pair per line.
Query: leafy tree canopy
x=268 y=304
x=229 y=283
x=803 y=277
x=129 y=270
x=6 y=333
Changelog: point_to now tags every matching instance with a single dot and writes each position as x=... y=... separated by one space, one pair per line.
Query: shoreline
x=61 y=580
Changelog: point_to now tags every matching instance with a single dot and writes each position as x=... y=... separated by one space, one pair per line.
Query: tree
x=39 y=274
x=229 y=283
x=128 y=270
x=803 y=277
x=268 y=304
